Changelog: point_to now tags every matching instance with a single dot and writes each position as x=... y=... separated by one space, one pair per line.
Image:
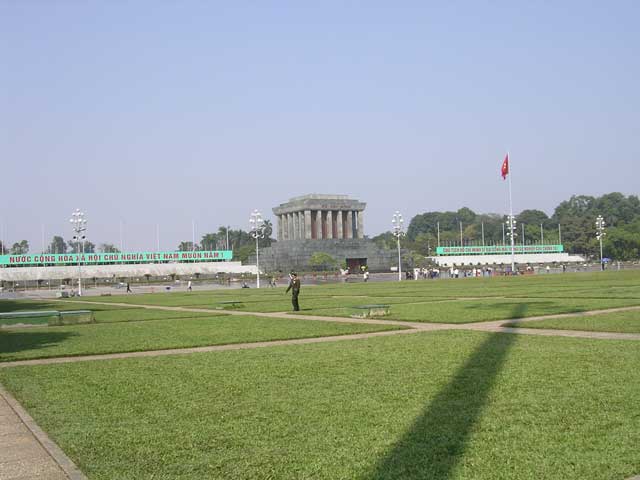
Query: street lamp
x=511 y=233
x=257 y=231
x=396 y=221
x=600 y=233
x=79 y=225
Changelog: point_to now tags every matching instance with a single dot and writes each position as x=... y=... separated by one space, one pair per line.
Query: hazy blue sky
x=166 y=112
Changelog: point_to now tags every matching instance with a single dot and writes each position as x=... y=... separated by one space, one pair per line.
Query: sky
x=155 y=116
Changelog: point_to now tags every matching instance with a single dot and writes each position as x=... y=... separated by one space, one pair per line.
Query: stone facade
x=295 y=255
x=332 y=224
x=320 y=217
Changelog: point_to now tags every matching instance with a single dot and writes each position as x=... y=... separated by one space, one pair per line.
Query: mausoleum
x=331 y=224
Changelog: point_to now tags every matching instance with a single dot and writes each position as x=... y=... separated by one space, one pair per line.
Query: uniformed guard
x=294 y=286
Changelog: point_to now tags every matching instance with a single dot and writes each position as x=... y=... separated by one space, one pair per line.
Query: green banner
x=499 y=249
x=107 y=258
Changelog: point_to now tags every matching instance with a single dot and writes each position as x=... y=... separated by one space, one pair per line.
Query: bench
x=230 y=305
x=53 y=317
x=73 y=317
x=367 y=311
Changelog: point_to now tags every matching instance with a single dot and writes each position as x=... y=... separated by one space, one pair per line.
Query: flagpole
x=513 y=252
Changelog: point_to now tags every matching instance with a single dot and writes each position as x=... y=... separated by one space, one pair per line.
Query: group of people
x=422 y=273
x=473 y=272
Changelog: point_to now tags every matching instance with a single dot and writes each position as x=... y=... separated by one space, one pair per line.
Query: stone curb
x=55 y=452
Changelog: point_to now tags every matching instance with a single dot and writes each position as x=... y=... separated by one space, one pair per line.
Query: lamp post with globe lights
x=79 y=225
x=257 y=232
x=511 y=233
x=600 y=234
x=397 y=221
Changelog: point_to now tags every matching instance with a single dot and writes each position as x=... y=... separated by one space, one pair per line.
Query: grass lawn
x=102 y=313
x=467 y=311
x=619 y=322
x=272 y=300
x=442 y=405
x=480 y=299
x=194 y=331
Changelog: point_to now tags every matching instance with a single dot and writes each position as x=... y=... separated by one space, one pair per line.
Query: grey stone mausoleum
x=332 y=224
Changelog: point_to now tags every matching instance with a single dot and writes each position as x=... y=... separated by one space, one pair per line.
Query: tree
x=187 y=247
x=209 y=241
x=623 y=243
x=448 y=221
x=223 y=235
x=424 y=245
x=578 y=214
x=466 y=215
x=79 y=247
x=267 y=228
x=322 y=261
x=57 y=245
x=242 y=254
x=385 y=240
x=532 y=217
x=108 y=248
x=20 y=248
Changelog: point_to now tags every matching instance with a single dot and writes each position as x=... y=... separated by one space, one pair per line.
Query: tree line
x=572 y=224
x=240 y=242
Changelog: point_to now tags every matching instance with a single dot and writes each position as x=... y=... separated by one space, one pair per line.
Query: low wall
x=18 y=274
x=295 y=254
x=522 y=259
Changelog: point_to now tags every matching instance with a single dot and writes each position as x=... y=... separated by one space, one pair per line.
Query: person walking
x=294 y=286
x=189 y=287
x=128 y=288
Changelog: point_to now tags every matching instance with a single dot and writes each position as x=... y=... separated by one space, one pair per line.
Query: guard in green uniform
x=294 y=286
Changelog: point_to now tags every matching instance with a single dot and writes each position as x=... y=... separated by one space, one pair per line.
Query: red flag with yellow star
x=505 y=167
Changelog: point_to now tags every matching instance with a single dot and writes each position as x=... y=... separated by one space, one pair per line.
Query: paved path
x=26 y=452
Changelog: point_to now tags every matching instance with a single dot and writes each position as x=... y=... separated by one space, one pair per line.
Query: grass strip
x=618 y=322
x=455 y=405
x=196 y=331
x=469 y=311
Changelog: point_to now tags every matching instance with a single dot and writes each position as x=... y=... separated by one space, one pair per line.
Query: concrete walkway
x=26 y=452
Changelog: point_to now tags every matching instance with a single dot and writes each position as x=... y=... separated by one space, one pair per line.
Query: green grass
x=441 y=405
x=189 y=331
x=467 y=311
x=34 y=320
x=102 y=313
x=618 y=322
x=447 y=301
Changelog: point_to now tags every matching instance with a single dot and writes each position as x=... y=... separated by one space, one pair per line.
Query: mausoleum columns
x=318 y=214
x=320 y=217
x=349 y=232
x=307 y=224
x=329 y=224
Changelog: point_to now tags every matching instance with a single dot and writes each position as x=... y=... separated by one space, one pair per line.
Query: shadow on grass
x=10 y=305
x=17 y=341
x=518 y=309
x=437 y=440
